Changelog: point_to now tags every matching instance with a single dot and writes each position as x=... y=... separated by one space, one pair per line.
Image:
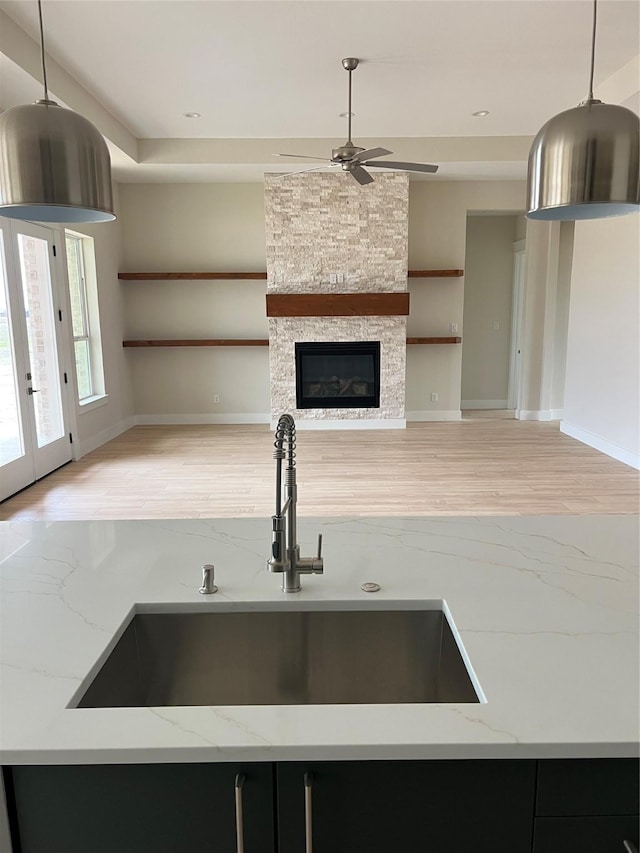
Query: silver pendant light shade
x=585 y=162
x=54 y=164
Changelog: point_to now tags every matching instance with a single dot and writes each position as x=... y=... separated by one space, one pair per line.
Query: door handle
x=239 y=783
x=31 y=391
x=308 y=813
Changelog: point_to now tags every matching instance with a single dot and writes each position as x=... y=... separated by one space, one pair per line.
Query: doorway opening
x=493 y=314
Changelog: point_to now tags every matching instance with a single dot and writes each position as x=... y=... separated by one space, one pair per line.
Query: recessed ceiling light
x=191 y=115
x=481 y=113
x=346 y=115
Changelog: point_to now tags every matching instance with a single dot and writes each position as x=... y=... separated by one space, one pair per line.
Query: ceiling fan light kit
x=54 y=164
x=585 y=162
x=352 y=158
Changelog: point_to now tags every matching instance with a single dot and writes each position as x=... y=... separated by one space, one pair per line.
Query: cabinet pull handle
x=630 y=847
x=308 y=813
x=239 y=817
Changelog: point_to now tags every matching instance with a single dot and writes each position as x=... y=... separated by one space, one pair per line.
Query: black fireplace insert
x=338 y=375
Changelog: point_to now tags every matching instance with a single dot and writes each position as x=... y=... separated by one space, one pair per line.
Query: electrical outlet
x=496 y=325
x=333 y=278
x=216 y=398
x=340 y=278
x=434 y=396
x=454 y=328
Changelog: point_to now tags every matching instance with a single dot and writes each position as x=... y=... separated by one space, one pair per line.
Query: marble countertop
x=546 y=608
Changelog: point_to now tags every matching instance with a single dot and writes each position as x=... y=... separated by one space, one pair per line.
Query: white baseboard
x=238 y=418
x=484 y=404
x=451 y=415
x=538 y=414
x=349 y=423
x=601 y=444
x=81 y=448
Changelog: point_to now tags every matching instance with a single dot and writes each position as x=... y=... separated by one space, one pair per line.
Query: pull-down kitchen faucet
x=285 y=551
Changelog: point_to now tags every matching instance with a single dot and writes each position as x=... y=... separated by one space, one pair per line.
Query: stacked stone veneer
x=323 y=224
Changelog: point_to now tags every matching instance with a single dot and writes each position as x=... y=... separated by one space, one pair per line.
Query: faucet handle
x=319 y=555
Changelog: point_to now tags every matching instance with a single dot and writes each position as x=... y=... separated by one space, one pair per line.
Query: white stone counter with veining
x=546 y=608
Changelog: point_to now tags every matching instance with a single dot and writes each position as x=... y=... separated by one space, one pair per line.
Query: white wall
x=195 y=228
x=488 y=288
x=95 y=425
x=602 y=391
x=565 y=262
x=199 y=227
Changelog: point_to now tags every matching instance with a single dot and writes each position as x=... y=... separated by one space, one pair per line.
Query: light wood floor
x=477 y=466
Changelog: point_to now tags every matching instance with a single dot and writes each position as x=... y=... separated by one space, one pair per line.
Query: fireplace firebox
x=338 y=375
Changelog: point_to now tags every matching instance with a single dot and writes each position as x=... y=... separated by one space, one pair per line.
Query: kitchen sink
x=282 y=657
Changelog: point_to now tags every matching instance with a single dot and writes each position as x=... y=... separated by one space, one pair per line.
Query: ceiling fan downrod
x=350 y=64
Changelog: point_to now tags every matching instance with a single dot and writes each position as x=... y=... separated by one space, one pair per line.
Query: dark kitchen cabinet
x=585 y=834
x=392 y=806
x=149 y=808
x=484 y=806
x=587 y=805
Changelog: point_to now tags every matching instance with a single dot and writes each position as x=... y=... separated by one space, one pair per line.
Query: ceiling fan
x=352 y=158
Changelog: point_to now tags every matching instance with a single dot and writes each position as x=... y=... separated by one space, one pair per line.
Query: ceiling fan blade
x=303 y=157
x=408 y=167
x=361 y=176
x=370 y=153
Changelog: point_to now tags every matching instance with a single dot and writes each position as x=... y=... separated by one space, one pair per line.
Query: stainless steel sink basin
x=282 y=657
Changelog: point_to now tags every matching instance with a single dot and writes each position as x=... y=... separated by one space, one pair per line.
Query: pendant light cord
x=44 y=67
x=349 y=113
x=593 y=49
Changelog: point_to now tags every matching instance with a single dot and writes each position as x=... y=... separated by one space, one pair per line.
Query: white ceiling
x=259 y=69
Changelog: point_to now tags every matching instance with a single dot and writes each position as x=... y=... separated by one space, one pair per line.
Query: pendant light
x=54 y=164
x=584 y=163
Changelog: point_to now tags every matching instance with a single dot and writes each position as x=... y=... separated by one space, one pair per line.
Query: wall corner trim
x=176 y=420
x=98 y=439
x=602 y=444
x=484 y=404
x=537 y=414
x=347 y=423
x=451 y=415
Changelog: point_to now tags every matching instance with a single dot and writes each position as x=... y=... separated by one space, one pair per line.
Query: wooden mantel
x=337 y=304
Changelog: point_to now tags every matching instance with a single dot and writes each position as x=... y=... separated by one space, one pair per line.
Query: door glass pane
x=43 y=355
x=11 y=443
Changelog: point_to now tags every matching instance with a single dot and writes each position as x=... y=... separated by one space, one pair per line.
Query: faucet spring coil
x=285 y=430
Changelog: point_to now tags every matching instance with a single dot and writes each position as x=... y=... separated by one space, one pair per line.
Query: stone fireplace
x=327 y=235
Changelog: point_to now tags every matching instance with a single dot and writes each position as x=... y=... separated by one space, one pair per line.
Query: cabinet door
x=150 y=808
x=588 y=786
x=392 y=806
x=585 y=834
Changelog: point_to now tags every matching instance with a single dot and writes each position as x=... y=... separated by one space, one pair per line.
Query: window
x=84 y=317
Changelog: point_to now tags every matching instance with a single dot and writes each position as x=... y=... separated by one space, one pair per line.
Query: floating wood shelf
x=203 y=342
x=252 y=276
x=260 y=342
x=434 y=340
x=191 y=276
x=337 y=304
x=435 y=273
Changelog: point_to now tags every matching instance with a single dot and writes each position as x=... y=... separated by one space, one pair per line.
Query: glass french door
x=34 y=434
